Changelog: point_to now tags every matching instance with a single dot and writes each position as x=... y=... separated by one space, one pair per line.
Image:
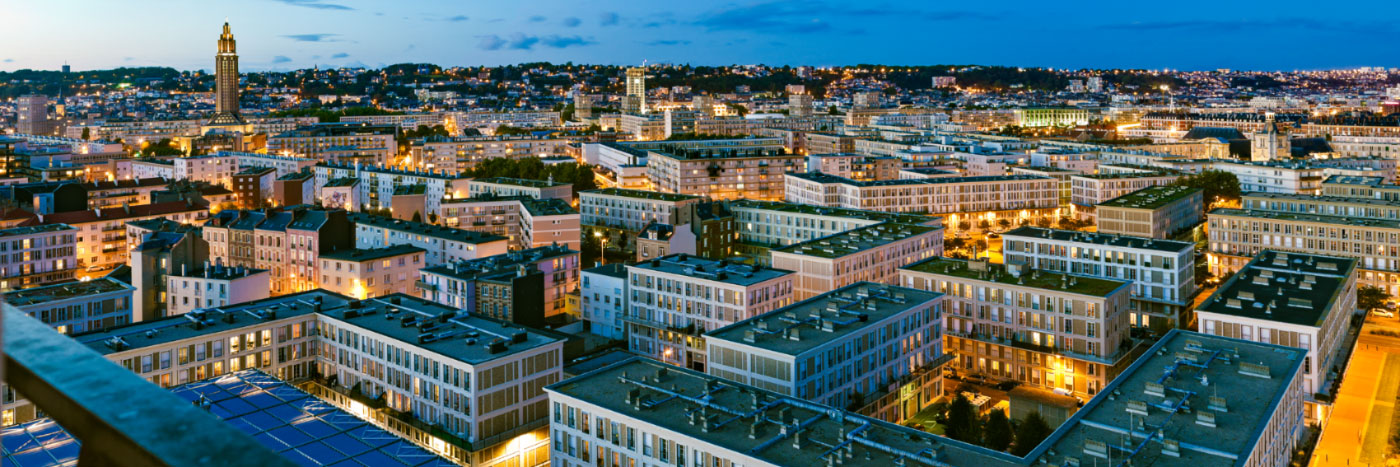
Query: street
x=1363 y=417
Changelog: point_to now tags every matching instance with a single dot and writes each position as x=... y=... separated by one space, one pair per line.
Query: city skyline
x=294 y=34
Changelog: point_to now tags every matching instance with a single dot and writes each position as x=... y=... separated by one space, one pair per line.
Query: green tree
x=87 y=133
x=417 y=216
x=998 y=431
x=962 y=421
x=984 y=225
x=1214 y=184
x=1369 y=297
x=739 y=108
x=1004 y=223
x=1030 y=433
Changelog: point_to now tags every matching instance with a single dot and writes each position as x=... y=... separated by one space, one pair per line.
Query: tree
x=964 y=226
x=1214 y=184
x=956 y=243
x=1004 y=223
x=432 y=218
x=1369 y=297
x=998 y=432
x=1043 y=222
x=1032 y=431
x=984 y=225
x=739 y=109
x=417 y=216
x=962 y=420
x=87 y=133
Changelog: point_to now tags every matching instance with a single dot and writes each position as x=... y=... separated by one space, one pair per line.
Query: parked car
x=1383 y=313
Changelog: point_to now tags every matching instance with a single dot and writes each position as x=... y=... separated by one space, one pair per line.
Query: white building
x=214 y=286
x=603 y=300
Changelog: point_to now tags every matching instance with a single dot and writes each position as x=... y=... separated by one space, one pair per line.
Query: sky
x=293 y=34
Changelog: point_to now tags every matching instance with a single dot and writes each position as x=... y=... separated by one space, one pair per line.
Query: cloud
x=572 y=22
x=127 y=59
x=521 y=41
x=1283 y=24
x=668 y=42
x=317 y=4
x=804 y=18
x=9 y=60
x=281 y=59
x=608 y=18
x=458 y=19
x=340 y=55
x=537 y=19
x=312 y=37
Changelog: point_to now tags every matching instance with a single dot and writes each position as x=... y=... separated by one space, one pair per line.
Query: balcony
x=118 y=417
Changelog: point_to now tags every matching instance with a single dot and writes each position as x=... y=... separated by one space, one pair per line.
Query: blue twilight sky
x=288 y=34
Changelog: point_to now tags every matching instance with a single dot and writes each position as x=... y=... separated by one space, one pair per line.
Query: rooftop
x=548 y=207
x=428 y=230
x=679 y=400
x=830 y=317
x=1152 y=197
x=211 y=321
x=1300 y=217
x=343 y=181
x=221 y=272
x=797 y=208
x=361 y=255
x=1355 y=180
x=492 y=265
x=1126 y=241
x=819 y=177
x=642 y=194
x=1000 y=274
x=525 y=182
x=717 y=270
x=425 y=325
x=1210 y=396
x=64 y=291
x=287 y=420
x=34 y=229
x=1291 y=288
x=255 y=171
x=857 y=240
x=617 y=270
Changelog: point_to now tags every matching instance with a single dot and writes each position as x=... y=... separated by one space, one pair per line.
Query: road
x=1364 y=416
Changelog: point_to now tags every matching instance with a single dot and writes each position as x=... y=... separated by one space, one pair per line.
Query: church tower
x=1271 y=143
x=226 y=82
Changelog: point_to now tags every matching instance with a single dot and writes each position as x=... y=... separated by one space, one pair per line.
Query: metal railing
x=119 y=417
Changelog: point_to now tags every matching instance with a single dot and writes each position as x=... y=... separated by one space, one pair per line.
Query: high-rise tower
x=636 y=99
x=226 y=82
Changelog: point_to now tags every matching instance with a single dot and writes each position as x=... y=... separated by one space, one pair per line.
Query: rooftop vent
x=1257 y=370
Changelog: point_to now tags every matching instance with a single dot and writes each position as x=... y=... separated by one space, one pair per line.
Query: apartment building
x=441 y=244
x=1276 y=177
x=286 y=242
x=859 y=167
x=830 y=143
x=214 y=286
x=1008 y=196
x=632 y=210
x=157 y=255
x=657 y=402
x=37 y=255
x=252 y=187
x=1043 y=329
x=1327 y=205
x=455 y=284
x=329 y=141
x=603 y=300
x=101 y=233
x=1162 y=272
x=505 y=186
x=76 y=307
x=838 y=349
x=282 y=164
x=865 y=254
x=737 y=174
x=375 y=272
x=456 y=155
x=295 y=188
x=1062 y=175
x=377 y=184
x=672 y=301
x=776 y=223
x=1089 y=191
x=489 y=120
x=526 y=222
x=1294 y=300
x=1236 y=236
x=1153 y=212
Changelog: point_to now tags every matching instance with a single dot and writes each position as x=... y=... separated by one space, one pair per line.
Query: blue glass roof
x=297 y=425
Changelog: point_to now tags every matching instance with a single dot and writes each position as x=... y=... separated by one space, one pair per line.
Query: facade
x=1236 y=236
x=754 y=174
x=1007 y=196
x=214 y=286
x=37 y=255
x=285 y=242
x=1162 y=272
x=252 y=187
x=603 y=300
x=1043 y=329
x=864 y=254
x=635 y=100
x=1270 y=143
x=226 y=111
x=441 y=244
x=1294 y=300
x=1089 y=191
x=343 y=143
x=855 y=166
x=455 y=155
x=526 y=222
x=793 y=351
x=675 y=299
x=294 y=188
x=157 y=256
x=101 y=235
x=1040 y=117
x=376 y=185
x=456 y=284
x=366 y=273
x=632 y=210
x=1154 y=212
x=76 y=307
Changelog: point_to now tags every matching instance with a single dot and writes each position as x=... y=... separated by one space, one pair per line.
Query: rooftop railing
x=119 y=417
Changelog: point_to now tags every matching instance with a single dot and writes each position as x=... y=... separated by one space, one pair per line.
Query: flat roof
x=33 y=229
x=455 y=333
x=490 y=265
x=1293 y=288
x=1302 y=217
x=642 y=194
x=1126 y=241
x=1191 y=368
x=819 y=177
x=825 y=318
x=1319 y=198
x=669 y=396
x=177 y=328
x=370 y=254
x=1038 y=279
x=285 y=419
x=64 y=291
x=857 y=240
x=617 y=270
x=1152 y=197
x=525 y=182
x=717 y=270
x=548 y=207
x=342 y=181
x=796 y=208
x=427 y=230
